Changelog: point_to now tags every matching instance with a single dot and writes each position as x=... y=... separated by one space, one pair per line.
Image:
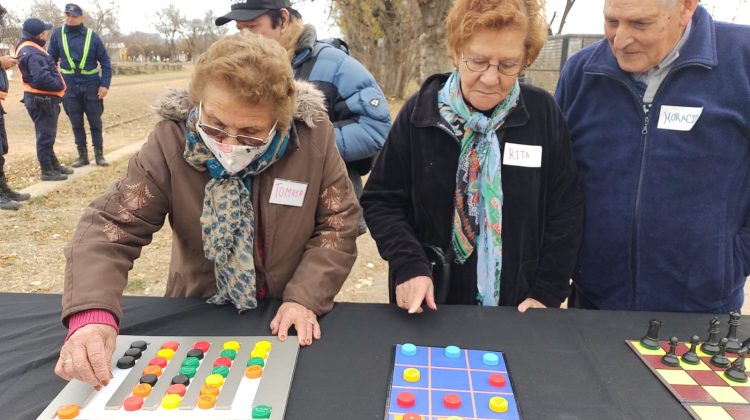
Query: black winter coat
x=408 y=199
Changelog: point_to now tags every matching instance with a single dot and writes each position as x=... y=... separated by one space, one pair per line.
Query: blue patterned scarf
x=228 y=219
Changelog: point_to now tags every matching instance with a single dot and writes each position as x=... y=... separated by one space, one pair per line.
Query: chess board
x=450 y=383
x=222 y=378
x=702 y=389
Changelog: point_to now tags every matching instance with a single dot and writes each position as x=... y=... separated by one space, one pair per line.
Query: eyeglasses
x=508 y=68
x=219 y=134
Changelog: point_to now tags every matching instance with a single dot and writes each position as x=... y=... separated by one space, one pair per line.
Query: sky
x=585 y=17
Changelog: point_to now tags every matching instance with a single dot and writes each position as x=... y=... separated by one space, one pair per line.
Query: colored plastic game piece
x=733 y=343
x=498 y=404
x=152 y=370
x=210 y=390
x=736 y=372
x=188 y=371
x=68 y=411
x=670 y=359
x=405 y=399
x=497 y=380
x=166 y=353
x=261 y=412
x=196 y=353
x=651 y=339
x=490 y=359
x=133 y=403
x=134 y=352
x=263 y=345
x=229 y=354
x=158 y=361
x=223 y=361
x=411 y=416
x=259 y=353
x=202 y=346
x=254 y=372
x=221 y=370
x=232 y=345
x=256 y=361
x=142 y=390
x=408 y=349
x=191 y=361
x=711 y=346
x=214 y=379
x=149 y=379
x=691 y=357
x=177 y=389
x=171 y=401
x=452 y=401
x=173 y=345
x=181 y=380
x=452 y=352
x=125 y=362
x=206 y=401
x=140 y=344
x=720 y=359
x=411 y=375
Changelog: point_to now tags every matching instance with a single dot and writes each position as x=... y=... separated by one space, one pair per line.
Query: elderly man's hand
x=87 y=355
x=102 y=92
x=304 y=321
x=7 y=61
x=530 y=303
x=411 y=293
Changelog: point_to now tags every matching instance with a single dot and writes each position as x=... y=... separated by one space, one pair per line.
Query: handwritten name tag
x=522 y=155
x=679 y=118
x=288 y=193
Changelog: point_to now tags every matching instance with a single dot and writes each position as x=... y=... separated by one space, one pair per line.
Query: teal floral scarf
x=228 y=219
x=478 y=198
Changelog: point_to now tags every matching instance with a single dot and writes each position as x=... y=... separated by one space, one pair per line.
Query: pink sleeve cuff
x=90 y=316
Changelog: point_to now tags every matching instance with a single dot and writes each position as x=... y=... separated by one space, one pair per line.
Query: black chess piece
x=733 y=343
x=691 y=357
x=651 y=339
x=671 y=359
x=736 y=372
x=720 y=359
x=711 y=346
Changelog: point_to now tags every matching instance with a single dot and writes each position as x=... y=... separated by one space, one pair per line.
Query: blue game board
x=465 y=376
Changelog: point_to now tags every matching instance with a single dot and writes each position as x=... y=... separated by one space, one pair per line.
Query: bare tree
x=433 y=55
x=10 y=29
x=47 y=11
x=568 y=5
x=170 y=23
x=103 y=20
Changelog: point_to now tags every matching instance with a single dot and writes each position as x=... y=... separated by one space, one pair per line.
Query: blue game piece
x=490 y=359
x=408 y=349
x=452 y=352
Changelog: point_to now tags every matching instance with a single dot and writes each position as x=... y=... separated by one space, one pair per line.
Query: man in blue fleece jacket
x=658 y=116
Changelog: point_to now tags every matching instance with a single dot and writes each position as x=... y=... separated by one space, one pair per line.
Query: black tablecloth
x=564 y=364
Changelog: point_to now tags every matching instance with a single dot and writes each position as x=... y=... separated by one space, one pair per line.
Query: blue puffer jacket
x=667 y=212
x=356 y=105
x=97 y=54
x=37 y=68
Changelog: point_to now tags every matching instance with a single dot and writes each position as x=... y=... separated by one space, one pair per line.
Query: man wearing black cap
x=356 y=104
x=44 y=88
x=81 y=52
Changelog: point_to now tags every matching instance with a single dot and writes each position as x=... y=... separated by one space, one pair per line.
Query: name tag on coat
x=678 y=118
x=522 y=155
x=288 y=193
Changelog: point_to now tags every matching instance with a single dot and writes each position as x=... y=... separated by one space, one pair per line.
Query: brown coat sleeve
x=332 y=249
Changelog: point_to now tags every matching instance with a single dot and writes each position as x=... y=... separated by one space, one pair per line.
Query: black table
x=565 y=364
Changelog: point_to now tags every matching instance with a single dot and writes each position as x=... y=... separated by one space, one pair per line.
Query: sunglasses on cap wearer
x=220 y=135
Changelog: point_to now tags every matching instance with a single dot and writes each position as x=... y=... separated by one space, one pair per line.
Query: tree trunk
x=433 y=56
x=568 y=6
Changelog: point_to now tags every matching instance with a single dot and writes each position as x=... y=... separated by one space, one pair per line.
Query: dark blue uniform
x=81 y=95
x=3 y=135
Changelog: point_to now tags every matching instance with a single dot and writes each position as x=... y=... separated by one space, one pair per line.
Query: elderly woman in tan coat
x=257 y=197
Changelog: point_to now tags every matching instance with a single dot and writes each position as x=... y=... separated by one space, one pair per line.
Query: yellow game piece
x=215 y=379
x=411 y=375
x=263 y=345
x=68 y=411
x=498 y=404
x=259 y=353
x=171 y=401
x=232 y=345
x=167 y=354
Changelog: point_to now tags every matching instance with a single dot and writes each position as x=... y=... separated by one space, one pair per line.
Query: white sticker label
x=522 y=155
x=288 y=193
x=679 y=118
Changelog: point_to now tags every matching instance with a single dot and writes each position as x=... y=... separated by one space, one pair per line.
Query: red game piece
x=158 y=361
x=405 y=399
x=178 y=389
x=133 y=403
x=452 y=401
x=411 y=416
x=170 y=345
x=497 y=380
x=223 y=361
x=202 y=346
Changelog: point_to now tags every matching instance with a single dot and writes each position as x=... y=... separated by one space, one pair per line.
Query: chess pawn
x=691 y=357
x=711 y=346
x=733 y=343
x=651 y=339
x=736 y=372
x=720 y=359
x=671 y=359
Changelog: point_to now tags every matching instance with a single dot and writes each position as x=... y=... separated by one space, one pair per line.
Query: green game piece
x=256 y=361
x=188 y=371
x=191 y=361
x=231 y=354
x=221 y=370
x=261 y=412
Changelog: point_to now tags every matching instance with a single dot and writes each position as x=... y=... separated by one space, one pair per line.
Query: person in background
x=475 y=197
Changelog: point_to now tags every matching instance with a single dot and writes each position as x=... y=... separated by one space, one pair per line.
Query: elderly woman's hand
x=87 y=355
x=304 y=320
x=411 y=293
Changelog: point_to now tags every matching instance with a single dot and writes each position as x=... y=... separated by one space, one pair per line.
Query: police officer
x=78 y=50
x=44 y=88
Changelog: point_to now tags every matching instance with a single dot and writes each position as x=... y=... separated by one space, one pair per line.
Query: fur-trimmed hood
x=175 y=104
